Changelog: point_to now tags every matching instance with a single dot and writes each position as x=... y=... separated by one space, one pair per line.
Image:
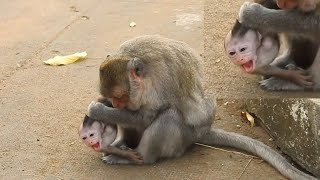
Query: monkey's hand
x=96 y=109
x=301 y=78
x=125 y=157
x=135 y=157
x=251 y=14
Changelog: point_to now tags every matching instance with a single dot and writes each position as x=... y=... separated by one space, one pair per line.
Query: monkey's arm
x=279 y=21
x=299 y=77
x=128 y=154
x=110 y=115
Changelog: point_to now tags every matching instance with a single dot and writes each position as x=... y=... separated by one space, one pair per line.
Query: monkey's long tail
x=222 y=138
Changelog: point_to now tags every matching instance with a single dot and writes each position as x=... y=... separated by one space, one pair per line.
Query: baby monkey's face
x=91 y=135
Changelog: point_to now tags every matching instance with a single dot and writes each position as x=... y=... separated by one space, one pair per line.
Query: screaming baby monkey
x=257 y=53
x=105 y=138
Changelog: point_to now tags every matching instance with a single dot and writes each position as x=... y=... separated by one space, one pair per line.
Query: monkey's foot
x=278 y=84
x=113 y=160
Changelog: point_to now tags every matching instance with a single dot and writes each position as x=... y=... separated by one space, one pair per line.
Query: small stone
x=85 y=18
x=238 y=126
x=226 y=103
x=270 y=139
x=132 y=24
x=73 y=9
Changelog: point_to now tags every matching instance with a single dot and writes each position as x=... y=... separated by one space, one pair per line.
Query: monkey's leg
x=282 y=60
x=166 y=137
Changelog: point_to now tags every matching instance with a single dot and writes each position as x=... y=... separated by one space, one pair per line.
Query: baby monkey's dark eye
x=242 y=49
x=232 y=53
x=84 y=138
x=91 y=135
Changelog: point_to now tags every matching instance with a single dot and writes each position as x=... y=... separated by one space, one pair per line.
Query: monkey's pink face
x=287 y=4
x=120 y=99
x=242 y=50
x=91 y=136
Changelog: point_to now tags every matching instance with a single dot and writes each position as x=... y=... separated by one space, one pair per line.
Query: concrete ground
x=42 y=106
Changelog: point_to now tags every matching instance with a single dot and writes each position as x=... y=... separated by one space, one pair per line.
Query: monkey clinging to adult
x=302 y=32
x=256 y=53
x=154 y=83
x=251 y=50
x=106 y=138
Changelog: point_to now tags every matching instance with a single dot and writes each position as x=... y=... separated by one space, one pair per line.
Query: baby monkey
x=106 y=138
x=250 y=50
x=257 y=53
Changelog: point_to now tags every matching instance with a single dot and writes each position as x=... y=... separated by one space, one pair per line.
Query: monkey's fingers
x=309 y=78
x=136 y=157
x=301 y=71
x=306 y=81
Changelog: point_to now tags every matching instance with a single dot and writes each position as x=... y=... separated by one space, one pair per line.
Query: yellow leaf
x=248 y=117
x=63 y=60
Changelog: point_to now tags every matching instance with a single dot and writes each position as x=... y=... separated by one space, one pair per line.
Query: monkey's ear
x=237 y=22
x=136 y=66
x=86 y=119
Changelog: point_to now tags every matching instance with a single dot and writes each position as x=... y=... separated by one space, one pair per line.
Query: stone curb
x=294 y=124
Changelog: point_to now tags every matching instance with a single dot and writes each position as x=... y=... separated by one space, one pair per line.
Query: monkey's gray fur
x=295 y=25
x=173 y=112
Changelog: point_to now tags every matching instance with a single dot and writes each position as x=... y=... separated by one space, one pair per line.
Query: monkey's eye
x=242 y=49
x=91 y=135
x=232 y=53
x=84 y=138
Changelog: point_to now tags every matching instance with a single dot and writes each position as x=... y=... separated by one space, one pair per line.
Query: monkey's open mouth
x=96 y=146
x=248 y=66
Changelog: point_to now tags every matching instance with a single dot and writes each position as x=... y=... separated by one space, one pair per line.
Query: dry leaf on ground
x=63 y=60
x=246 y=116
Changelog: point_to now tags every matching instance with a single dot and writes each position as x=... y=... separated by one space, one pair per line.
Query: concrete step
x=294 y=124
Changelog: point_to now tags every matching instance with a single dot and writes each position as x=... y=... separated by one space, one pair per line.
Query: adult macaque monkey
x=154 y=83
x=301 y=29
